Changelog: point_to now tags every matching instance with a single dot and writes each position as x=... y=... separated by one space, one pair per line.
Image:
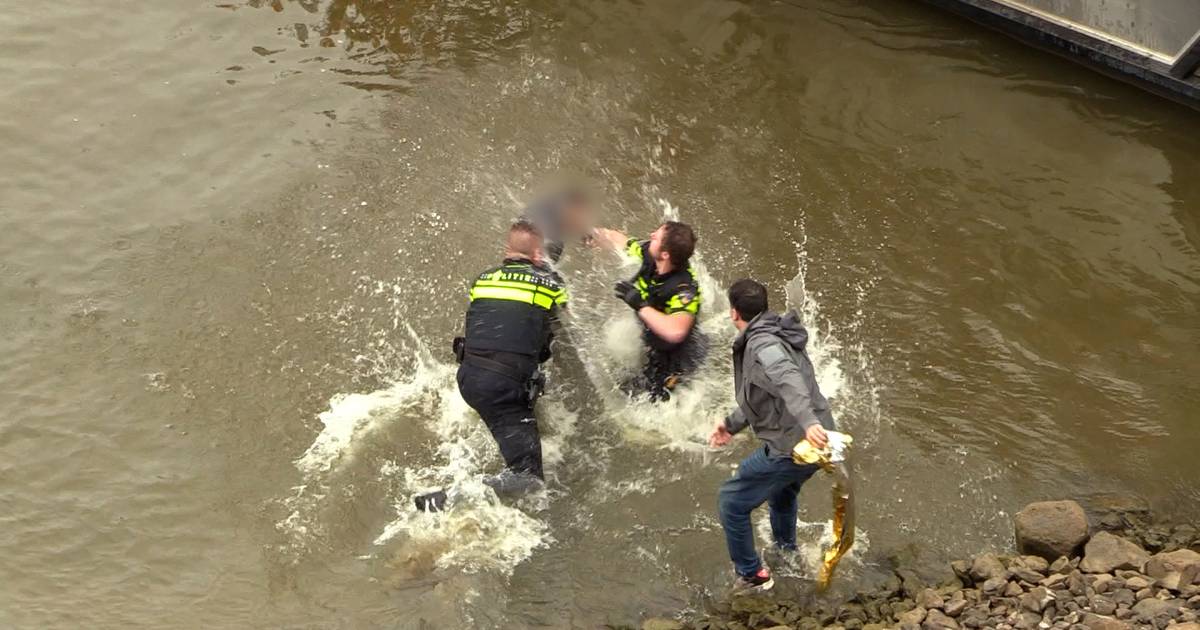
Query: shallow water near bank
x=235 y=240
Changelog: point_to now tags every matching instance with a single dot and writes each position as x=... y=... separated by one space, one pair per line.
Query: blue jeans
x=760 y=478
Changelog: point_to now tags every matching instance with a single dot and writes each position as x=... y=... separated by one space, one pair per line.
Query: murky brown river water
x=235 y=237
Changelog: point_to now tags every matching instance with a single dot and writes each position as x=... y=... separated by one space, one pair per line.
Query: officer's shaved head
x=524 y=240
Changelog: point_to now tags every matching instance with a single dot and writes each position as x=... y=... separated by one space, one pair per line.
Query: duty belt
x=534 y=384
x=503 y=369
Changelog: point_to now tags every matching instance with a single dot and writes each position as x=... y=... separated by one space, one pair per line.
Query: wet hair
x=680 y=242
x=524 y=238
x=748 y=297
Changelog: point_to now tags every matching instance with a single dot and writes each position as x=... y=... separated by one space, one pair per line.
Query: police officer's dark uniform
x=508 y=333
x=675 y=292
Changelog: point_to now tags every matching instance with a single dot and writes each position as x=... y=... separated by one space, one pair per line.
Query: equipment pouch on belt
x=459 y=345
x=535 y=386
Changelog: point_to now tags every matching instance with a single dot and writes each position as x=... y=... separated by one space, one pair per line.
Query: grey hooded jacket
x=777 y=392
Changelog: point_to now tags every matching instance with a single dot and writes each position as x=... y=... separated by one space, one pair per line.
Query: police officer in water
x=665 y=294
x=509 y=329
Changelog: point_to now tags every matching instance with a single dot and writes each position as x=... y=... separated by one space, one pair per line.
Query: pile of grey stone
x=1063 y=578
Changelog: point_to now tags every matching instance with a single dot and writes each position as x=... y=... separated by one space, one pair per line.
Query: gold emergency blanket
x=832 y=460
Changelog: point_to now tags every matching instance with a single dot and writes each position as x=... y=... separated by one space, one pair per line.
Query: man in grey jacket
x=778 y=396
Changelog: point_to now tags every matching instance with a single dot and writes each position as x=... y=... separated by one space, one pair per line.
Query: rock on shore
x=1051 y=529
x=1106 y=582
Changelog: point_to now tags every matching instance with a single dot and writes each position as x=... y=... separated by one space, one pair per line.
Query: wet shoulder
x=684 y=293
x=523 y=272
x=550 y=277
x=639 y=250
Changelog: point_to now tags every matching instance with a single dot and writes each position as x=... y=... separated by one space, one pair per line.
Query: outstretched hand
x=629 y=294
x=605 y=237
x=720 y=436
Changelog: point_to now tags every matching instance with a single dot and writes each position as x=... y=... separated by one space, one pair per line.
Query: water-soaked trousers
x=503 y=403
x=665 y=369
x=760 y=479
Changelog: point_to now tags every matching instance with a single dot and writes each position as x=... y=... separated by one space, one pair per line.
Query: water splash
x=812 y=538
x=844 y=371
x=611 y=338
x=478 y=532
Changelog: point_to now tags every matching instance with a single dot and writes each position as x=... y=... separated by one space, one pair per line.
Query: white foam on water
x=853 y=393
x=823 y=348
x=812 y=539
x=563 y=424
x=477 y=532
x=703 y=399
x=685 y=421
x=623 y=340
x=351 y=417
x=611 y=338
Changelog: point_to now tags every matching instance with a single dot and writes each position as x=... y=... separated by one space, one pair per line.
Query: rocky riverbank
x=1120 y=570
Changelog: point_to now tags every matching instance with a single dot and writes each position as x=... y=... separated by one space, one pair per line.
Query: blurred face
x=656 y=238
x=577 y=218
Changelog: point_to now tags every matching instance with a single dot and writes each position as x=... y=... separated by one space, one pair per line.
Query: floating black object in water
x=507 y=485
x=431 y=501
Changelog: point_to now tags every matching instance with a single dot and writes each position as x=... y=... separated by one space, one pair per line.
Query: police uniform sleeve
x=686 y=299
x=637 y=249
x=559 y=291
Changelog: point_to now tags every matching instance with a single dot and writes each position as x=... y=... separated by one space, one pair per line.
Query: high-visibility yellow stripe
x=528 y=286
x=643 y=287
x=523 y=295
x=675 y=305
x=633 y=247
x=514 y=276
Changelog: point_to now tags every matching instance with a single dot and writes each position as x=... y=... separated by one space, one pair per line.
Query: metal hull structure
x=1154 y=44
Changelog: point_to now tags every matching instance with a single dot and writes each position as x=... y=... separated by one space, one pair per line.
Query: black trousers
x=503 y=404
x=665 y=368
